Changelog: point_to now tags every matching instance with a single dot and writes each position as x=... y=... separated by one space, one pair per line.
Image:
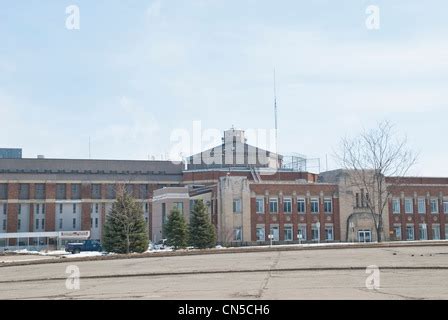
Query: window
x=397 y=231
x=43 y=224
x=96 y=207
x=20 y=209
x=3 y=191
x=60 y=224
x=445 y=206
x=146 y=207
x=129 y=189
x=76 y=191
x=287 y=206
x=24 y=191
x=143 y=191
x=422 y=232
x=43 y=208
x=237 y=234
x=74 y=207
x=60 y=208
x=315 y=233
x=164 y=217
x=19 y=224
x=96 y=191
x=409 y=232
x=301 y=233
x=314 y=205
x=329 y=233
x=274 y=233
x=179 y=206
x=273 y=205
x=37 y=224
x=261 y=233
x=91 y=222
x=111 y=194
x=357 y=200
x=435 y=232
x=396 y=206
x=408 y=206
x=96 y=223
x=61 y=193
x=5 y=208
x=259 y=205
x=4 y=224
x=37 y=208
x=328 y=205
x=421 y=206
x=434 y=206
x=40 y=191
x=301 y=205
x=288 y=233
x=74 y=223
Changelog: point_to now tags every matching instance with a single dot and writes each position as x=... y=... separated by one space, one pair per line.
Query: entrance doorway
x=364 y=236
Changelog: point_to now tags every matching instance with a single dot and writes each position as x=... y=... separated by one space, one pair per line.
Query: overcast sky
x=137 y=70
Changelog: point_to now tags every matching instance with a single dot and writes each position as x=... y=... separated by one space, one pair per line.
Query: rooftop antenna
x=275 y=111
x=276 y=121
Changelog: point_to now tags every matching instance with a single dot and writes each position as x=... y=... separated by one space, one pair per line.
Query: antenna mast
x=275 y=111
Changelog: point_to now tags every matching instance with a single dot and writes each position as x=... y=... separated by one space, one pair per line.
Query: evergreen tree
x=202 y=232
x=176 y=230
x=125 y=230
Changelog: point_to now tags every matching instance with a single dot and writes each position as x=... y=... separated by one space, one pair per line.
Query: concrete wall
x=229 y=189
x=167 y=197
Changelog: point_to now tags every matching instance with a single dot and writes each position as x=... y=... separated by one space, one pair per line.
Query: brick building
x=248 y=191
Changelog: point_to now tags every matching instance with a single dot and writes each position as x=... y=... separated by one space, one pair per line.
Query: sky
x=138 y=71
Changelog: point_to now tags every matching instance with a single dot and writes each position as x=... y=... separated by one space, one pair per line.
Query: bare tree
x=371 y=157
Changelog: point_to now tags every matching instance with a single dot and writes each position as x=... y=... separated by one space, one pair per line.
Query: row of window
x=287 y=205
x=40 y=208
x=288 y=234
x=422 y=232
x=421 y=206
x=61 y=191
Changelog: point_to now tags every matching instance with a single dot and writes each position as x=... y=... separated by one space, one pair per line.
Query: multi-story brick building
x=248 y=192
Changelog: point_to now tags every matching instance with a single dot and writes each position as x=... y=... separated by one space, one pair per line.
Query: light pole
x=271 y=237
x=318 y=231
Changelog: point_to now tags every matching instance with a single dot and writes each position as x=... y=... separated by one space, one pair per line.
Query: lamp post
x=271 y=237
x=318 y=231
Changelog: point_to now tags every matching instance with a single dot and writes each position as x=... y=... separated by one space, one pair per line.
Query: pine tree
x=202 y=232
x=176 y=230
x=125 y=230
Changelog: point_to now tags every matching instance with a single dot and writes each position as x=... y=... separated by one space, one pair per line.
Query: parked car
x=88 y=245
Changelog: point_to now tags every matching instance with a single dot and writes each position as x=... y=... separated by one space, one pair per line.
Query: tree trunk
x=128 y=243
x=380 y=227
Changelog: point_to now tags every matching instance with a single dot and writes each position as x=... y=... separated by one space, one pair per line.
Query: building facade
x=250 y=198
